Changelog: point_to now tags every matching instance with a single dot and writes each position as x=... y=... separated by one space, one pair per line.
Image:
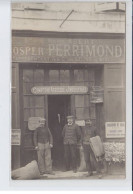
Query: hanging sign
x=115 y=129
x=96 y=94
x=80 y=122
x=16 y=137
x=42 y=90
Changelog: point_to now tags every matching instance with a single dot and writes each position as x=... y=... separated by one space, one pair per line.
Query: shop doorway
x=58 y=109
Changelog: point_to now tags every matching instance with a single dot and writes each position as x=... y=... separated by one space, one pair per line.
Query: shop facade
x=55 y=74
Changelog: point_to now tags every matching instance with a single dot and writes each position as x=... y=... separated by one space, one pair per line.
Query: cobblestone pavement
x=80 y=175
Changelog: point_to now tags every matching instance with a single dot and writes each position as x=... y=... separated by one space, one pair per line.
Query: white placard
x=80 y=122
x=115 y=129
x=16 y=137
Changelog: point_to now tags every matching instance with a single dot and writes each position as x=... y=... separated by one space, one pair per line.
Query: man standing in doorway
x=43 y=142
x=71 y=136
x=87 y=132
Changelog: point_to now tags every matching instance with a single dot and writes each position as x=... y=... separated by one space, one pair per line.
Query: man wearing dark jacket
x=43 y=142
x=87 y=132
x=72 y=136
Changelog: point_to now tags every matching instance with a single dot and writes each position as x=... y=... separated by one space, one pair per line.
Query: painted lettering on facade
x=67 y=50
x=115 y=129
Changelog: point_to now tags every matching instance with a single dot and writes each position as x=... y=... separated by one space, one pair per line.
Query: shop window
x=78 y=75
x=79 y=100
x=64 y=76
x=54 y=76
x=32 y=112
x=26 y=101
x=39 y=75
x=86 y=113
x=27 y=88
x=86 y=75
x=86 y=100
x=39 y=112
x=91 y=75
x=80 y=113
x=92 y=112
x=26 y=126
x=39 y=101
x=28 y=75
x=64 y=83
x=26 y=114
x=79 y=83
x=31 y=101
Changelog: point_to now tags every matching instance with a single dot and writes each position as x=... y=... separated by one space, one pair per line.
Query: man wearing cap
x=71 y=136
x=87 y=132
x=43 y=142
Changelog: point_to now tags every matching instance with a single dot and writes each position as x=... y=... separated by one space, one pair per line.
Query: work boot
x=89 y=174
x=100 y=175
x=42 y=173
x=50 y=172
x=75 y=170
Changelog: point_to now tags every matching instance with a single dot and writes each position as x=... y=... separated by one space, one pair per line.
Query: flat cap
x=70 y=117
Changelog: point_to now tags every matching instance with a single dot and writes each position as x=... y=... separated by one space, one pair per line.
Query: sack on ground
x=30 y=171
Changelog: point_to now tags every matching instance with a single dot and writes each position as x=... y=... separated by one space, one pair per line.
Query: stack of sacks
x=114 y=151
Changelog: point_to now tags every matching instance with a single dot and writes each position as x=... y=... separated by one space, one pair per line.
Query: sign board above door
x=67 y=50
x=52 y=90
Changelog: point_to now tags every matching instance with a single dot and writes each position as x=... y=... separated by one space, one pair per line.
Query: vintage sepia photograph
x=68 y=83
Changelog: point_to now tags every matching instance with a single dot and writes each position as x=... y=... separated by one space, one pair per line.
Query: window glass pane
x=26 y=101
x=32 y=112
x=39 y=112
x=80 y=113
x=31 y=101
x=91 y=84
x=64 y=83
x=54 y=83
x=79 y=83
x=91 y=75
x=86 y=113
x=27 y=88
x=54 y=76
x=86 y=75
x=86 y=98
x=92 y=112
x=64 y=75
x=78 y=75
x=86 y=84
x=79 y=100
x=26 y=114
x=26 y=126
x=39 y=101
x=39 y=75
x=28 y=75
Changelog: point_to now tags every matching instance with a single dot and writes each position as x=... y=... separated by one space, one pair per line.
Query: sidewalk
x=79 y=175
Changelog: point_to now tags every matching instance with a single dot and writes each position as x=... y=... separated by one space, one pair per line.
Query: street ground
x=80 y=175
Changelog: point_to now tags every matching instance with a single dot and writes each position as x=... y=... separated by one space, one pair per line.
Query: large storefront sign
x=68 y=50
x=16 y=137
x=42 y=90
x=115 y=129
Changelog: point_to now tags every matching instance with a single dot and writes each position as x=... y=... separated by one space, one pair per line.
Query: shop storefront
x=58 y=74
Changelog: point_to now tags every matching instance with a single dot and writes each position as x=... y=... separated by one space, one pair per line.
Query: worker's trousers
x=44 y=157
